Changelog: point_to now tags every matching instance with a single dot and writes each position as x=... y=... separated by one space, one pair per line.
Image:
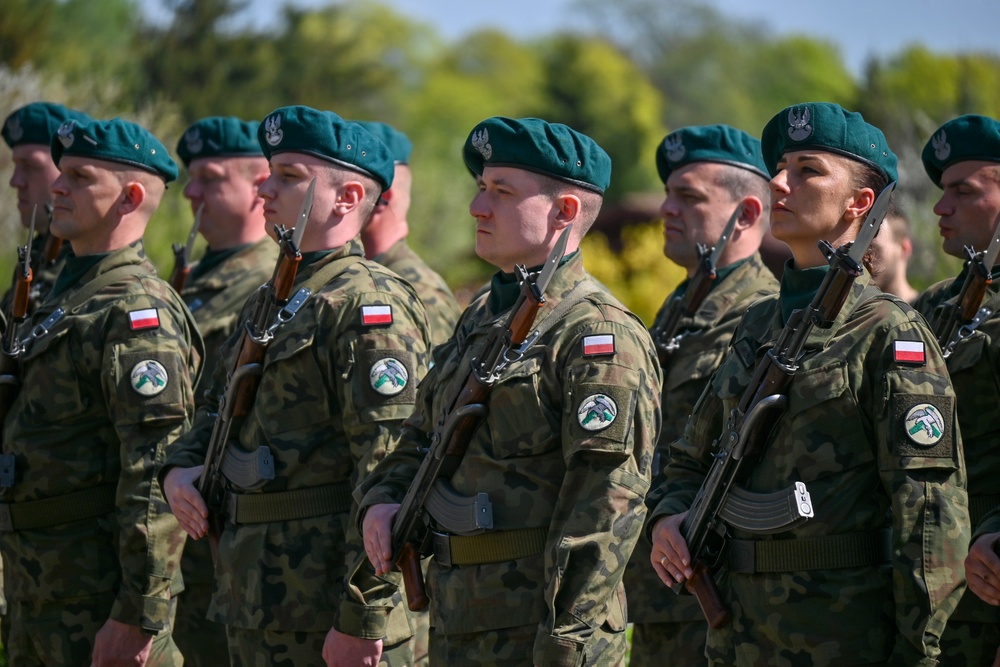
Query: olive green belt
x=832 y=552
x=75 y=506
x=496 y=546
x=304 y=503
x=980 y=506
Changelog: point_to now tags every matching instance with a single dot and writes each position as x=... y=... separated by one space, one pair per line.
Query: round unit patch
x=149 y=377
x=597 y=412
x=924 y=424
x=388 y=376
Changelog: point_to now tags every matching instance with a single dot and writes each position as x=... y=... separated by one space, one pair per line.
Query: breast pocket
x=293 y=392
x=518 y=422
x=50 y=383
x=974 y=378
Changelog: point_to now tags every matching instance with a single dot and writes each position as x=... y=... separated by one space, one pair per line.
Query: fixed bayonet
x=720 y=245
x=303 y=219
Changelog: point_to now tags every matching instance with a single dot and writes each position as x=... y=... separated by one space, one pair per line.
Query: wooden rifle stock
x=51 y=249
x=16 y=314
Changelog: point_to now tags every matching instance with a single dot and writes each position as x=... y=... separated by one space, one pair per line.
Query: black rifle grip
x=702 y=586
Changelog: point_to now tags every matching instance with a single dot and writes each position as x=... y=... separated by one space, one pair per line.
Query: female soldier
x=869 y=429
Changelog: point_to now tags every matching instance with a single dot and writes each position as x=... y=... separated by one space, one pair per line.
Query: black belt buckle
x=442 y=549
x=6 y=520
x=6 y=471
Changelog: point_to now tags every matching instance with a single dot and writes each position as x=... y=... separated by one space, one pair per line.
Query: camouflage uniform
x=843 y=434
x=577 y=493
x=278 y=582
x=94 y=418
x=665 y=623
x=973 y=633
x=215 y=297
x=442 y=309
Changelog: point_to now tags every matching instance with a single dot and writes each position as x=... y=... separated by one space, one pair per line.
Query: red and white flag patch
x=148 y=318
x=594 y=346
x=371 y=315
x=908 y=352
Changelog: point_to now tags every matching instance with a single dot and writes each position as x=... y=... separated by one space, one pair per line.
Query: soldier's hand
x=670 y=557
x=121 y=645
x=377 y=528
x=185 y=501
x=982 y=568
x=340 y=650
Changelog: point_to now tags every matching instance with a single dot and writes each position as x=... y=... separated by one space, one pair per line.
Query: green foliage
x=23 y=26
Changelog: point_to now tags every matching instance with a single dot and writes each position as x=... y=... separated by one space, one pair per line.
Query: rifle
x=959 y=319
x=506 y=344
x=182 y=254
x=667 y=339
x=16 y=314
x=52 y=246
x=717 y=502
x=271 y=308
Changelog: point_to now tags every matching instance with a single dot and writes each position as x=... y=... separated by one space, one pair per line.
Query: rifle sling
x=305 y=503
x=830 y=552
x=74 y=506
x=494 y=547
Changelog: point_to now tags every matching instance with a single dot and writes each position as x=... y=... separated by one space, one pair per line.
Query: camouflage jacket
x=545 y=466
x=104 y=394
x=844 y=434
x=216 y=297
x=442 y=309
x=974 y=366
x=705 y=339
x=44 y=274
x=325 y=421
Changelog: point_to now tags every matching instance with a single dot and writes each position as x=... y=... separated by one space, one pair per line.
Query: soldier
x=108 y=376
x=544 y=586
x=871 y=578
x=28 y=131
x=225 y=166
x=322 y=408
x=962 y=159
x=385 y=235
x=709 y=172
x=893 y=249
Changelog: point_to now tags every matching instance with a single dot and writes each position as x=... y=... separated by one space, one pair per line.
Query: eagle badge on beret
x=149 y=378
x=597 y=412
x=65 y=133
x=480 y=141
x=798 y=120
x=674 y=145
x=272 y=129
x=942 y=149
x=14 y=128
x=193 y=140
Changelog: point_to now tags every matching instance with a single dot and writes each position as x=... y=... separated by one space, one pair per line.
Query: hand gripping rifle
x=667 y=339
x=273 y=305
x=959 y=319
x=718 y=501
x=182 y=255
x=506 y=344
x=17 y=312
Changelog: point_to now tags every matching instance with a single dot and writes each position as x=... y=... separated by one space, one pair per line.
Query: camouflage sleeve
x=148 y=387
x=922 y=469
x=609 y=425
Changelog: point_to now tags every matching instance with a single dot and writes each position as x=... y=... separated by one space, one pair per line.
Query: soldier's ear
x=568 y=207
x=133 y=194
x=751 y=209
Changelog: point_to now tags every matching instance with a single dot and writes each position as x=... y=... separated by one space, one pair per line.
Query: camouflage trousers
x=513 y=647
x=969 y=643
x=42 y=634
x=683 y=642
x=202 y=642
x=273 y=648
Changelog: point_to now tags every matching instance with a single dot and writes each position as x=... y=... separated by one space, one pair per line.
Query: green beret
x=219 y=136
x=35 y=123
x=826 y=127
x=114 y=140
x=398 y=143
x=709 y=143
x=961 y=139
x=547 y=148
x=324 y=134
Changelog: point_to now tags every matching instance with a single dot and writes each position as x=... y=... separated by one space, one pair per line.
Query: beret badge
x=14 y=128
x=798 y=120
x=480 y=141
x=193 y=139
x=942 y=149
x=272 y=130
x=674 y=145
x=65 y=133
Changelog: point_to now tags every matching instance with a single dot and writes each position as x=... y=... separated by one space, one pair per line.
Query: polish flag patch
x=908 y=352
x=147 y=318
x=371 y=315
x=594 y=346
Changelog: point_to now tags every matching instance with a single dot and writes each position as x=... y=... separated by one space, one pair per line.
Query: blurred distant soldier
x=893 y=249
x=107 y=383
x=225 y=167
x=963 y=159
x=28 y=131
x=385 y=235
x=711 y=173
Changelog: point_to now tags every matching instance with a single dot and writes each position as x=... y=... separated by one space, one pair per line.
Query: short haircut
x=373 y=190
x=740 y=183
x=590 y=201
